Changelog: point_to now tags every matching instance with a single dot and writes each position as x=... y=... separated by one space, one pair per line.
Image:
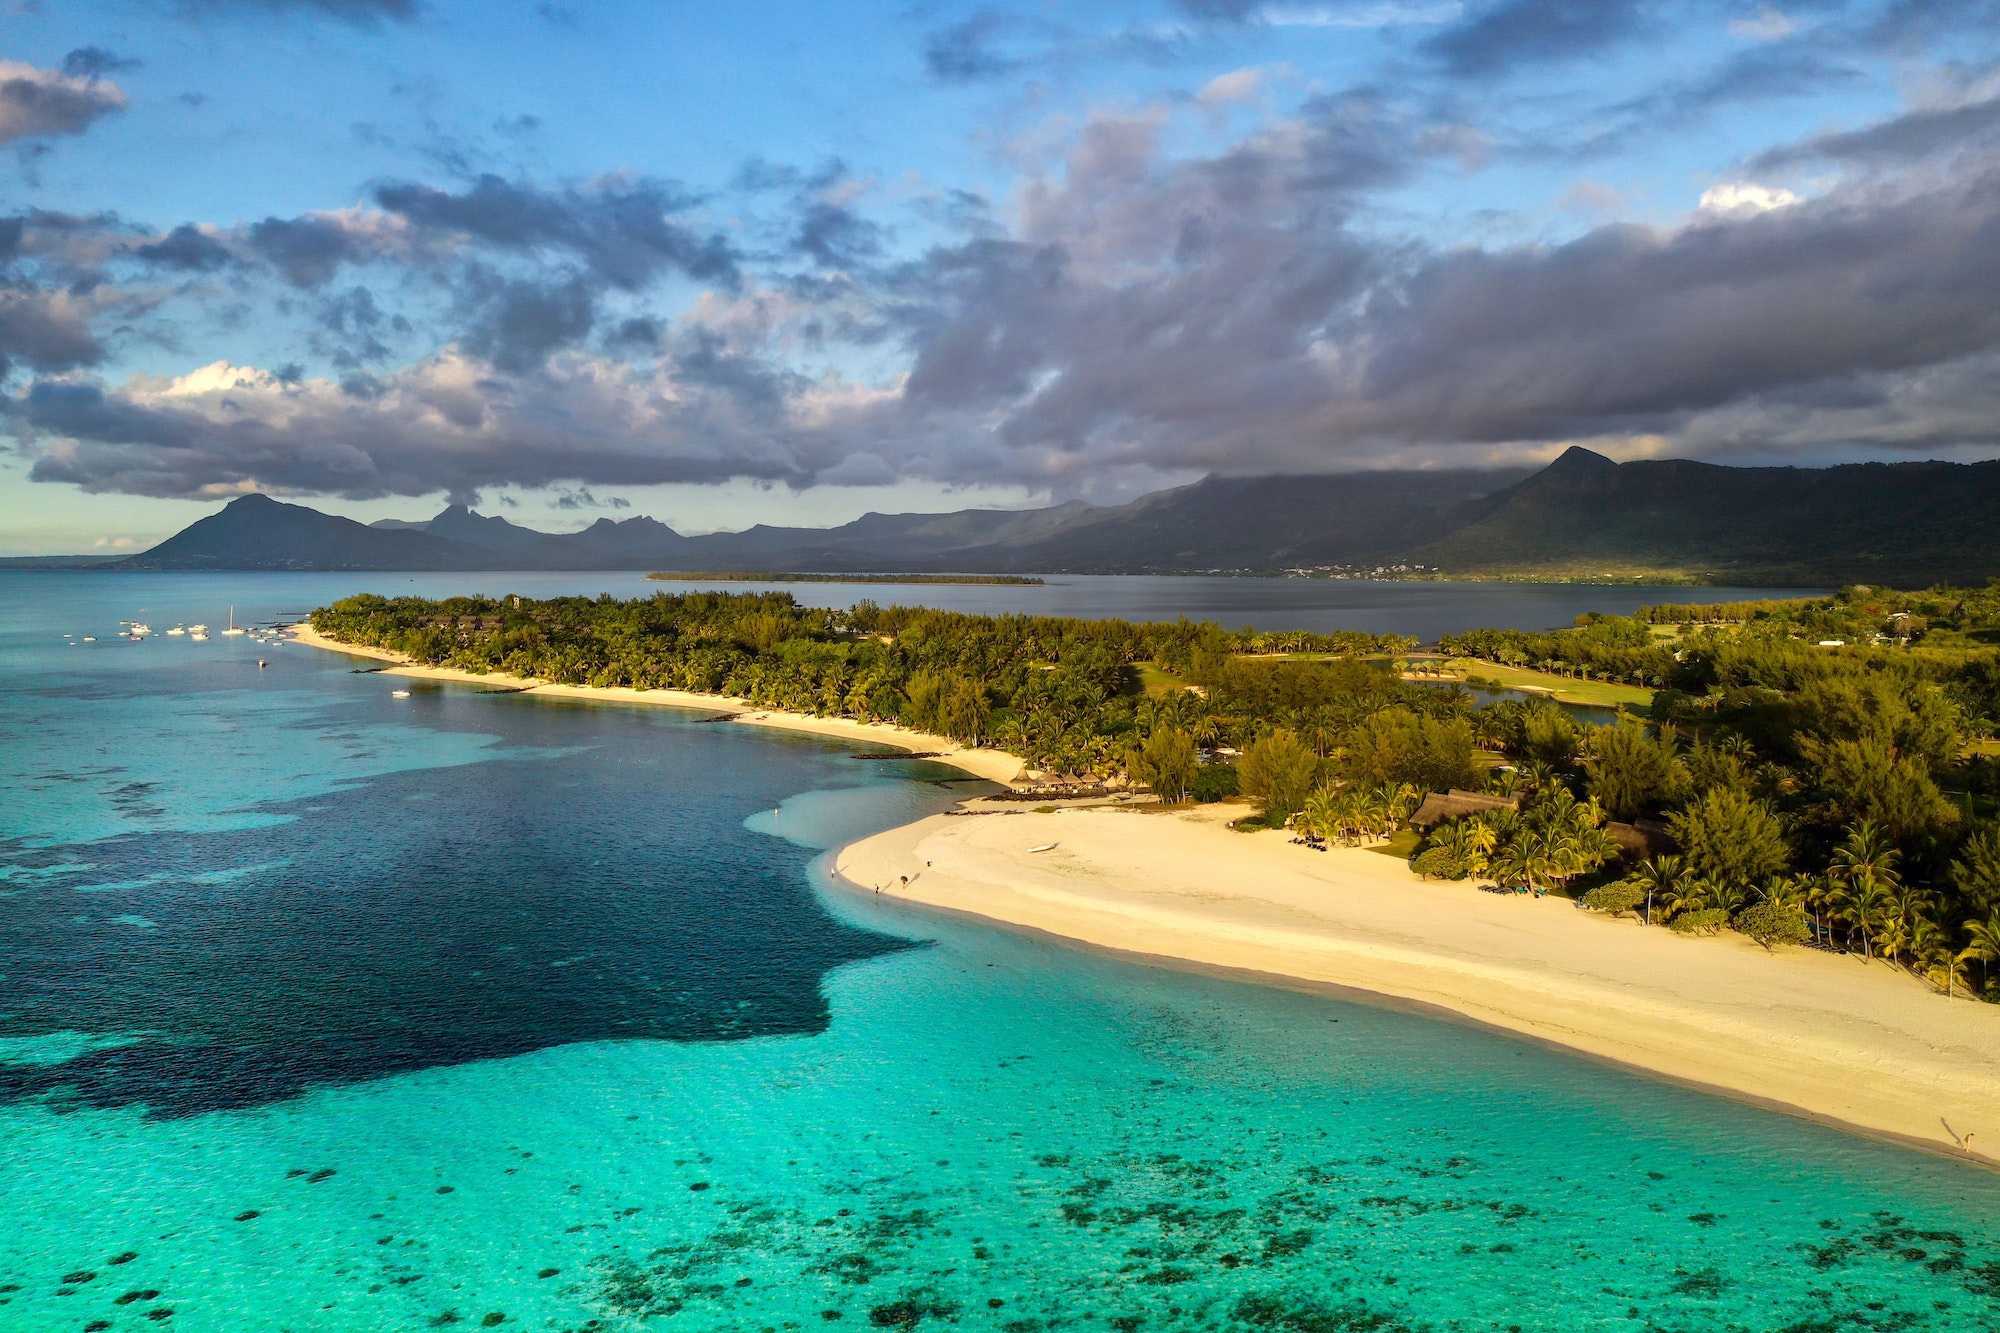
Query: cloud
x=1238 y=85
x=40 y=103
x=92 y=62
x=967 y=51
x=1903 y=138
x=451 y=422
x=49 y=331
x=186 y=247
x=1766 y=25
x=1633 y=325
x=361 y=13
x=308 y=251
x=1744 y=198
x=1513 y=34
x=620 y=228
x=1127 y=311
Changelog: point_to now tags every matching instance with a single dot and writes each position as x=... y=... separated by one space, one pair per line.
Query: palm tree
x=1984 y=943
x=1661 y=878
x=1319 y=814
x=1865 y=862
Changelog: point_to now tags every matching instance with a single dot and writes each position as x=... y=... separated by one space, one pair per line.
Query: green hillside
x=1907 y=524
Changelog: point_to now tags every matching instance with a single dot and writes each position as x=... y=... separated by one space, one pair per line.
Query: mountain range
x=1581 y=516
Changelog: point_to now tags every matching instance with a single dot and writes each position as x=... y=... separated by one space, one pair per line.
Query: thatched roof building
x=1440 y=806
x=1642 y=839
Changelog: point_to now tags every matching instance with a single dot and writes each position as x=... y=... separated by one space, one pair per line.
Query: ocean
x=326 y=1010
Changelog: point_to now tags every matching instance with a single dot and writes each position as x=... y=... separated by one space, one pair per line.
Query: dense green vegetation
x=1064 y=694
x=1809 y=758
x=1812 y=790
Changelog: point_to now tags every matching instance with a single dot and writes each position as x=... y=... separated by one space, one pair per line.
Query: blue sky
x=790 y=262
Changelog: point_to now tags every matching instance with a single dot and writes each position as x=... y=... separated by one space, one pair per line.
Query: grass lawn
x=1402 y=844
x=1597 y=692
x=1156 y=681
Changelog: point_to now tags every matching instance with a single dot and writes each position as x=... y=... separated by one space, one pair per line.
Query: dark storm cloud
x=446 y=424
x=186 y=247
x=40 y=103
x=1634 y=327
x=1916 y=134
x=1513 y=34
x=85 y=411
x=48 y=331
x=622 y=230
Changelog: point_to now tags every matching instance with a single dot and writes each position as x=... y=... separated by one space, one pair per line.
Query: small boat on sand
x=1046 y=847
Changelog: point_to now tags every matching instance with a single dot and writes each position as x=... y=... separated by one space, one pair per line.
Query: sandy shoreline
x=1858 y=1045
x=994 y=765
x=1854 y=1044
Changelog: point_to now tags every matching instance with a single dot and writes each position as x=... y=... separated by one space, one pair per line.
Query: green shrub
x=1616 y=898
x=1771 y=924
x=1706 y=921
x=1215 y=782
x=1439 y=863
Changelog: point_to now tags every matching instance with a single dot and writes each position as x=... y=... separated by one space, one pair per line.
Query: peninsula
x=1782 y=882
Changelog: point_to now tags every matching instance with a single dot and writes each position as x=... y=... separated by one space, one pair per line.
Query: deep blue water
x=321 y=1009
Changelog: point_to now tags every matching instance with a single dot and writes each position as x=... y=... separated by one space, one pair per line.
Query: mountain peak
x=1577 y=461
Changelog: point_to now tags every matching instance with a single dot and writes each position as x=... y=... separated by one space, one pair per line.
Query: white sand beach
x=994 y=765
x=1859 y=1044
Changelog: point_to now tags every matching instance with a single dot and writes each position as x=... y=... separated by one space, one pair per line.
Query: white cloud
x=1744 y=198
x=1365 y=16
x=1766 y=25
x=1239 y=85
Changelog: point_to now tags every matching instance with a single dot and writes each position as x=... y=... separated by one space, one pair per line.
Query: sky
x=790 y=262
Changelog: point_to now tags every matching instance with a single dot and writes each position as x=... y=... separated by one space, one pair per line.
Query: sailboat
x=232 y=631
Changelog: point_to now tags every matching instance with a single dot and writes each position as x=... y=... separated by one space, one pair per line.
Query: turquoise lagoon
x=321 y=1009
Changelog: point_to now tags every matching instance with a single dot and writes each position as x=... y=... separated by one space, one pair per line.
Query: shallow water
x=335 y=1011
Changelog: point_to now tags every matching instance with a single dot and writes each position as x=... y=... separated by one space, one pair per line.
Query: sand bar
x=1837 y=1039
x=994 y=765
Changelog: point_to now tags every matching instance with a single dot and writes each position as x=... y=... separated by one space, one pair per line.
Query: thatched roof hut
x=1441 y=806
x=1642 y=839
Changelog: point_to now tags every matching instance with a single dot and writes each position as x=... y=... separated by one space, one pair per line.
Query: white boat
x=399 y=694
x=90 y=638
x=177 y=630
x=197 y=629
x=232 y=631
x=1045 y=847
x=138 y=629
x=198 y=638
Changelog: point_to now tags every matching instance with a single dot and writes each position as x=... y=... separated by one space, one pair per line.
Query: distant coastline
x=756 y=576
